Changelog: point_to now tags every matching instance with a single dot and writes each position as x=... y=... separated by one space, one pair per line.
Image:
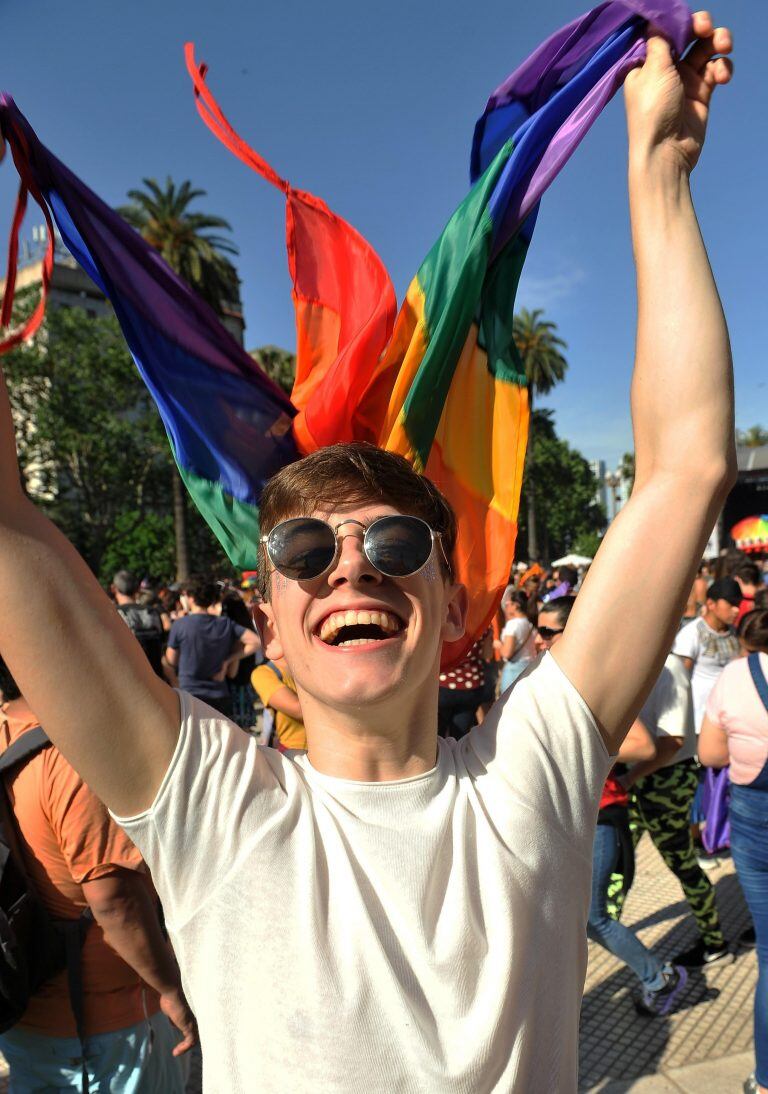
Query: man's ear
x=266 y=625
x=457 y=605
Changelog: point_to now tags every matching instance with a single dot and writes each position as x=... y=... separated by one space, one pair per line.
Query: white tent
x=572 y=560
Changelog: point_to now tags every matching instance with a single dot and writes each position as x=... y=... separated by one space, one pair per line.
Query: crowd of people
x=388 y=907
x=709 y=707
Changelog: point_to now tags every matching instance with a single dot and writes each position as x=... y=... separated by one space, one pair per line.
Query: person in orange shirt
x=77 y=857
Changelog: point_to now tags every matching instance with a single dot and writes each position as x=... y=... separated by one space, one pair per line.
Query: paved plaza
x=705 y=1047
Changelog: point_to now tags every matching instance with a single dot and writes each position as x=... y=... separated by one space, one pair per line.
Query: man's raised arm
x=682 y=398
x=76 y=662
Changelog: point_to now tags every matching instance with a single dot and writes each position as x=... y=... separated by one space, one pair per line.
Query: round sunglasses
x=303 y=548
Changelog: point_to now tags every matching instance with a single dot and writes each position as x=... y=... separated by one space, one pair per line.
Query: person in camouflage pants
x=660 y=804
x=661 y=792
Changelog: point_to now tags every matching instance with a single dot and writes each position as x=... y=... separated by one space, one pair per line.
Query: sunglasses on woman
x=303 y=548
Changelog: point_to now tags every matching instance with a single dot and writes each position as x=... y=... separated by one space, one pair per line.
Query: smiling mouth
x=359 y=628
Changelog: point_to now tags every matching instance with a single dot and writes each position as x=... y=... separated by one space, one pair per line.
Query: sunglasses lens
x=301 y=548
x=398 y=545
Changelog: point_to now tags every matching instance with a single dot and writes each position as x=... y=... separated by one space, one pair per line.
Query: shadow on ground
x=616 y=1043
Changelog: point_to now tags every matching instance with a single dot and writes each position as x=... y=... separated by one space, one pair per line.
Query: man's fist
x=668 y=103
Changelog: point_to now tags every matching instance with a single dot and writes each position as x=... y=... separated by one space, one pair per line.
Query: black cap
x=725 y=589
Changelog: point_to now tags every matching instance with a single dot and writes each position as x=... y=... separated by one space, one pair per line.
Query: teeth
x=333 y=624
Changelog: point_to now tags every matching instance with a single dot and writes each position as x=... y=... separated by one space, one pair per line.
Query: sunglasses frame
x=550 y=632
x=436 y=537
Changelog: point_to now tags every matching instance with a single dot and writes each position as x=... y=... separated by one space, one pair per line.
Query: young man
x=203 y=644
x=660 y=983
x=145 y=622
x=432 y=896
x=662 y=791
x=708 y=643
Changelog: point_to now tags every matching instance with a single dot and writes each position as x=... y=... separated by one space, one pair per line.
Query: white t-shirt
x=710 y=652
x=668 y=710
x=522 y=631
x=425 y=935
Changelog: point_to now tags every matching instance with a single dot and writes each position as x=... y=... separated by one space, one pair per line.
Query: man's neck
x=197 y=610
x=121 y=598
x=377 y=745
x=715 y=624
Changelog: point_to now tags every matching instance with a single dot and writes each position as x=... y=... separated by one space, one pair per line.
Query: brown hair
x=753 y=630
x=348 y=474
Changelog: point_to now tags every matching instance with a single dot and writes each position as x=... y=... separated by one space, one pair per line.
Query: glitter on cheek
x=279 y=582
x=429 y=573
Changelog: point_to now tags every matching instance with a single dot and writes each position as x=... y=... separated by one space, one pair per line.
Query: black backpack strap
x=275 y=669
x=758 y=676
x=74 y=934
x=23 y=747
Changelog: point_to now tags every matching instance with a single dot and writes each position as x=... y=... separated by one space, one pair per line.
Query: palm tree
x=279 y=364
x=193 y=247
x=539 y=347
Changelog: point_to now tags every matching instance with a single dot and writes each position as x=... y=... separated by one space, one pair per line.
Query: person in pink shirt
x=735 y=732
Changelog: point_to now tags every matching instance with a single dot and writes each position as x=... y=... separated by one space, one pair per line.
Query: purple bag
x=715 y=800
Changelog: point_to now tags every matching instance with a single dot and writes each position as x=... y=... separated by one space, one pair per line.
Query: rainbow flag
x=446 y=388
x=440 y=382
x=228 y=425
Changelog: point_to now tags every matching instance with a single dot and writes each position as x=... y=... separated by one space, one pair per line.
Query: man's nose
x=352 y=564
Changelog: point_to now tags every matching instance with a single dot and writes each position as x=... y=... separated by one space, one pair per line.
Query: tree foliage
x=279 y=364
x=191 y=245
x=754 y=437
x=540 y=348
x=627 y=469
x=190 y=242
x=566 y=491
x=92 y=448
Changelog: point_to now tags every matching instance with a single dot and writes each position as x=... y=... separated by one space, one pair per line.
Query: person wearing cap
x=707 y=644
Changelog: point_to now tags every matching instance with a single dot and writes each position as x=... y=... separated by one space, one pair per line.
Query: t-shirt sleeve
x=174 y=635
x=672 y=702
x=90 y=841
x=219 y=790
x=542 y=748
x=687 y=642
x=716 y=702
x=517 y=629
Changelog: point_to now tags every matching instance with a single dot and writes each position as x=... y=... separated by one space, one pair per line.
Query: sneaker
x=750 y=1085
x=660 y=1002
x=707 y=862
x=747 y=939
x=700 y=955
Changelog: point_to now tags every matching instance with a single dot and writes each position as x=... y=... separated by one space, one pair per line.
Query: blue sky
x=372 y=107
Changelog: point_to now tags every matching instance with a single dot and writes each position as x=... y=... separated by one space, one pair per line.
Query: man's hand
x=668 y=104
x=176 y=1009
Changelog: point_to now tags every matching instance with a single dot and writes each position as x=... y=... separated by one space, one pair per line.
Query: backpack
x=33 y=945
x=147 y=627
